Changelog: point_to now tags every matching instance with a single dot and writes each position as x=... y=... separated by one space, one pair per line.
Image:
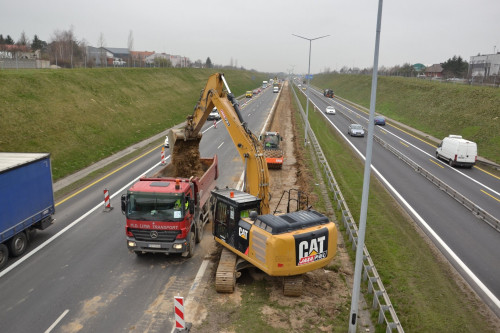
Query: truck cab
x=158 y=216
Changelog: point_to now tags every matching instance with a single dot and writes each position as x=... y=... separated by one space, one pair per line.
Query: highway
x=471 y=245
x=79 y=276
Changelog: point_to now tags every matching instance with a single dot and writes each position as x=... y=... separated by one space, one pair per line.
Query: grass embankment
x=436 y=108
x=81 y=116
x=423 y=289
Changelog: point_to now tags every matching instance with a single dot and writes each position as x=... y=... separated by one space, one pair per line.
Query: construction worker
x=177 y=204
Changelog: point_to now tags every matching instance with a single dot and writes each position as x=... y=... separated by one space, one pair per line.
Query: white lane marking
x=220 y=145
x=426 y=153
x=445 y=246
x=57 y=321
x=72 y=224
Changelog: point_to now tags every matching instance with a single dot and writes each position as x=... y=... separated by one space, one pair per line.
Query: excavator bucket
x=185 y=152
x=180 y=134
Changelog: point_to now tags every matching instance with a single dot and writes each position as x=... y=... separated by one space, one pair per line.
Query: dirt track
x=326 y=292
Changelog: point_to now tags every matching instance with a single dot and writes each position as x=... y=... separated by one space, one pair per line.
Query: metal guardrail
x=467 y=203
x=375 y=286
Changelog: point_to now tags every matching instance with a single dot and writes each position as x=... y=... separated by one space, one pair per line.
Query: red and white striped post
x=162 y=155
x=107 y=202
x=180 y=324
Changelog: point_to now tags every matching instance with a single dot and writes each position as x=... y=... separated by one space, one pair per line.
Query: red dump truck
x=165 y=213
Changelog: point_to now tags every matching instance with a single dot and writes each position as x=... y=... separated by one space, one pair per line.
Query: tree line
x=454 y=67
x=65 y=50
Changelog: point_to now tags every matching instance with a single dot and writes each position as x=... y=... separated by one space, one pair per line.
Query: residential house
x=138 y=58
x=152 y=59
x=435 y=71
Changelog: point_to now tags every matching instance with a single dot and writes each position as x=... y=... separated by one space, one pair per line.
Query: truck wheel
x=18 y=244
x=437 y=155
x=4 y=255
x=190 y=251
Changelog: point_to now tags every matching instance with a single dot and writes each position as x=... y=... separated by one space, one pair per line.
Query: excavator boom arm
x=247 y=144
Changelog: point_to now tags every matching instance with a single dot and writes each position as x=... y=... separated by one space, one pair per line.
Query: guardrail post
x=376 y=301
x=383 y=309
x=368 y=268
x=370 y=283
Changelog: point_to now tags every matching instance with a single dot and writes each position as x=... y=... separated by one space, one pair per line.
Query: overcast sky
x=257 y=34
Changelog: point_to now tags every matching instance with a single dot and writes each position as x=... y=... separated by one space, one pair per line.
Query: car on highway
x=214 y=115
x=330 y=110
x=356 y=130
x=256 y=91
x=379 y=120
x=166 y=142
x=249 y=94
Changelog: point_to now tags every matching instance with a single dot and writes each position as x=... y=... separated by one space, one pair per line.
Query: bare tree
x=101 y=42
x=61 y=47
x=23 y=40
x=130 y=46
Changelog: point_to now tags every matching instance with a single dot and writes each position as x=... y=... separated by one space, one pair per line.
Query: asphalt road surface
x=79 y=276
x=471 y=245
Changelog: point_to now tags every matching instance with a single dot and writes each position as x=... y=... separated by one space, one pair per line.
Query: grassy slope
x=423 y=290
x=82 y=116
x=438 y=109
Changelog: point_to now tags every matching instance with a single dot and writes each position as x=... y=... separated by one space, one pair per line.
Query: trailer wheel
x=190 y=251
x=18 y=244
x=4 y=255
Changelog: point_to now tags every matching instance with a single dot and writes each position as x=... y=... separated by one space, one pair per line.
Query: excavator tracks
x=225 y=278
x=293 y=285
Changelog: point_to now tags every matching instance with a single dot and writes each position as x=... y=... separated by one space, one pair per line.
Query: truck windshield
x=156 y=207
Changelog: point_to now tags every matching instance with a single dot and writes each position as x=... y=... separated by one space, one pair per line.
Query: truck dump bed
x=203 y=184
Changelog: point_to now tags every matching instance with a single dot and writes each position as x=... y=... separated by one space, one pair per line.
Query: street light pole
x=308 y=80
x=353 y=317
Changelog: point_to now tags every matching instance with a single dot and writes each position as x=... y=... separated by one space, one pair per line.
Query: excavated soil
x=185 y=160
x=325 y=290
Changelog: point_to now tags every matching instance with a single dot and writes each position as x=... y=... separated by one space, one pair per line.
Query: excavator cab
x=230 y=207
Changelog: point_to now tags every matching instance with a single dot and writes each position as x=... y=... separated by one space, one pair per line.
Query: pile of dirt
x=186 y=159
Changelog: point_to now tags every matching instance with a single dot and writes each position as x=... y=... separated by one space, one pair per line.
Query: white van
x=276 y=90
x=457 y=151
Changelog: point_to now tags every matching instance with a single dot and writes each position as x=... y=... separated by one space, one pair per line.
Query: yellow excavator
x=286 y=245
